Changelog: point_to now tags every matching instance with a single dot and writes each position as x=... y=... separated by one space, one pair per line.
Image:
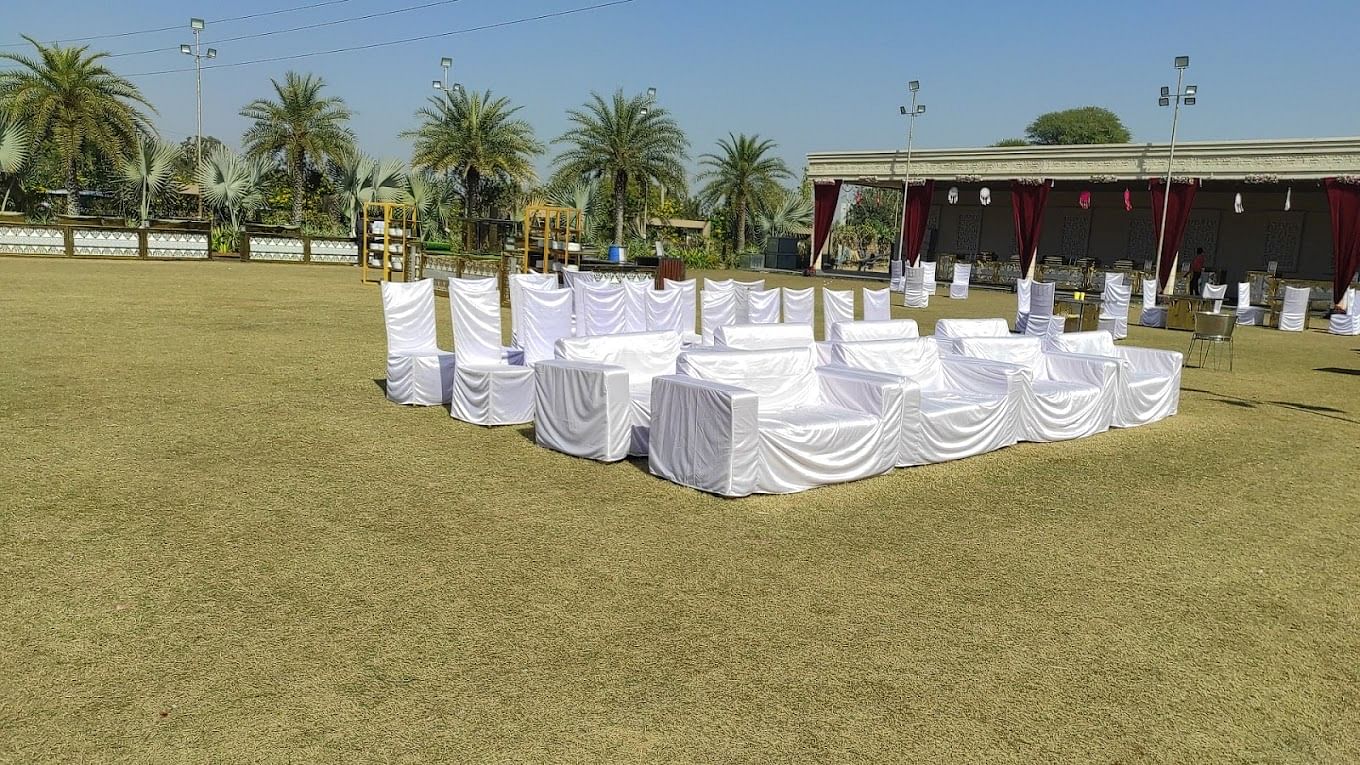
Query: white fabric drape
x=759 y=337
x=1152 y=314
x=1246 y=312
x=798 y=305
x=1114 y=309
x=476 y=315
x=877 y=304
x=1113 y=277
x=635 y=305
x=1041 y=321
x=763 y=306
x=1294 y=313
x=691 y=302
x=1148 y=387
x=519 y=282
x=914 y=292
x=665 y=310
x=837 y=306
x=895 y=275
x=605 y=310
x=958 y=288
x=719 y=308
x=891 y=329
x=490 y=386
x=1022 y=293
x=928 y=276
x=418 y=372
x=949 y=331
x=1215 y=292
x=546 y=317
x=1347 y=323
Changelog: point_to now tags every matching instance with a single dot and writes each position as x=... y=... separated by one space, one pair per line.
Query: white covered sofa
x=949 y=331
x=1149 y=384
x=882 y=329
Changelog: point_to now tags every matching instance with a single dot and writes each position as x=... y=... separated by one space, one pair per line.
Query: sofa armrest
x=1151 y=360
x=983 y=375
x=704 y=435
x=1101 y=371
x=861 y=390
x=582 y=408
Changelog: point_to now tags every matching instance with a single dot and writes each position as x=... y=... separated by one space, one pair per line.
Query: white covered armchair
x=1149 y=382
x=884 y=329
x=418 y=372
x=949 y=331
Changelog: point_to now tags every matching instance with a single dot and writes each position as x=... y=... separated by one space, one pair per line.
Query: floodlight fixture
x=446 y=62
x=921 y=109
x=196 y=24
x=1182 y=62
x=1166 y=91
x=651 y=93
x=914 y=86
x=1191 y=90
x=437 y=85
x=1163 y=101
x=212 y=53
x=186 y=50
x=1190 y=101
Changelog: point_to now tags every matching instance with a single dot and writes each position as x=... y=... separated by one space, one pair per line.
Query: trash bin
x=617 y=253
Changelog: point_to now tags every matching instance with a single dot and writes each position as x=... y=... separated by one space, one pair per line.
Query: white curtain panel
x=891 y=329
x=1152 y=314
x=719 y=309
x=1215 y=292
x=736 y=423
x=1041 y=321
x=837 y=306
x=635 y=313
x=1246 y=312
x=490 y=386
x=877 y=304
x=949 y=331
x=928 y=275
x=1114 y=310
x=605 y=311
x=594 y=399
x=546 y=317
x=1347 y=323
x=914 y=292
x=1294 y=314
x=1149 y=382
x=1064 y=395
x=958 y=289
x=798 y=305
x=955 y=407
x=418 y=372
x=1022 y=293
x=763 y=306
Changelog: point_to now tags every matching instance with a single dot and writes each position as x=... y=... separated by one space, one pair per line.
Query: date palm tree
x=15 y=145
x=298 y=129
x=147 y=172
x=69 y=101
x=625 y=139
x=741 y=174
x=477 y=137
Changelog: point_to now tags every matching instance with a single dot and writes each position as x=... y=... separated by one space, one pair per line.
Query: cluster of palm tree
x=472 y=156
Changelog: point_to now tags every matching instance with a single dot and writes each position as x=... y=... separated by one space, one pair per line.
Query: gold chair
x=1212 y=332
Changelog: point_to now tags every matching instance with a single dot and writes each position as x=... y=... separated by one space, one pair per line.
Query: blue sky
x=812 y=76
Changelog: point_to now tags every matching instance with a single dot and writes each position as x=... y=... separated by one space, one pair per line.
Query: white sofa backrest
x=408 y=313
x=1027 y=352
x=953 y=329
x=644 y=354
x=1097 y=343
x=783 y=378
x=476 y=315
x=756 y=337
x=888 y=329
x=916 y=358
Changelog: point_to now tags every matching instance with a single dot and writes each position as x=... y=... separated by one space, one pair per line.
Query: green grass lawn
x=220 y=543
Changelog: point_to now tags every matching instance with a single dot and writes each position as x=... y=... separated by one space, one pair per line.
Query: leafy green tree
x=1086 y=124
x=742 y=173
x=231 y=184
x=622 y=140
x=186 y=166
x=1012 y=142
x=67 y=99
x=15 y=146
x=147 y=172
x=298 y=129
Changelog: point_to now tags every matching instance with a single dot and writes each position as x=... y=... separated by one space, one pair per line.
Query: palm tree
x=298 y=129
x=15 y=145
x=782 y=214
x=70 y=101
x=624 y=139
x=583 y=195
x=477 y=137
x=231 y=184
x=361 y=179
x=741 y=175
x=148 y=172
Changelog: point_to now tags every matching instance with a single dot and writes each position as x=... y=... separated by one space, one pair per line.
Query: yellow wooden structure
x=388 y=243
x=560 y=229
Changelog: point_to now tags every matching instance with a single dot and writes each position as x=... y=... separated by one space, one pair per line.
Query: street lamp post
x=1186 y=95
x=196 y=51
x=651 y=98
x=911 y=114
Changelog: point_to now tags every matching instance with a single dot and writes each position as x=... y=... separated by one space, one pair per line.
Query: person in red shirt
x=1196 y=270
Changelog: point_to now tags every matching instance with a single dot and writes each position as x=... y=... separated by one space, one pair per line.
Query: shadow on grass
x=1307 y=407
x=382 y=385
x=1330 y=413
x=1233 y=402
x=1338 y=370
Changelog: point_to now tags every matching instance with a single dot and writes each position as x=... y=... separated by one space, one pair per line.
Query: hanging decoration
x=985 y=196
x=1084 y=199
x=1237 y=203
x=1128 y=200
x=953 y=195
x=1288 y=198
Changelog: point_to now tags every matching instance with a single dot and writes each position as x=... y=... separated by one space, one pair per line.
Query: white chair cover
x=958 y=289
x=914 y=292
x=895 y=274
x=665 y=310
x=763 y=306
x=1294 y=313
x=763 y=337
x=1216 y=293
x=604 y=310
x=1022 y=291
x=1064 y=395
x=1347 y=323
x=1113 y=277
x=877 y=304
x=1149 y=381
x=691 y=303
x=719 y=308
x=545 y=317
x=718 y=284
x=887 y=329
x=948 y=332
x=798 y=305
x=518 y=282
x=418 y=372
x=1246 y=312
x=1041 y=321
x=488 y=389
x=837 y=305
x=736 y=423
x=635 y=304
x=594 y=399
x=1114 y=309
x=1152 y=315
x=928 y=276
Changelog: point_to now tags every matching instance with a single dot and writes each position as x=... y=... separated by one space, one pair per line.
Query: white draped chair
x=1215 y=292
x=736 y=423
x=491 y=385
x=958 y=288
x=895 y=274
x=691 y=299
x=1246 y=312
x=1148 y=387
x=914 y=293
x=418 y=372
x=888 y=329
x=518 y=282
x=1041 y=321
x=837 y=306
x=669 y=310
x=948 y=332
x=1153 y=315
x=719 y=284
x=1112 y=277
x=1114 y=309
x=594 y=399
x=763 y=306
x=1294 y=312
x=928 y=276
x=603 y=310
x=1022 y=292
x=798 y=305
x=1065 y=395
x=635 y=293
x=546 y=316
x=719 y=309
x=877 y=304
x=1347 y=323
x=955 y=407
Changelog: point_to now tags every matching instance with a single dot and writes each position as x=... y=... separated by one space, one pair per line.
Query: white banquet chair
x=1022 y=292
x=958 y=288
x=1294 y=312
x=762 y=306
x=914 y=293
x=1215 y=292
x=491 y=385
x=1152 y=315
x=719 y=309
x=546 y=316
x=877 y=304
x=1041 y=322
x=837 y=306
x=690 y=290
x=1148 y=387
x=1114 y=310
x=798 y=305
x=1347 y=323
x=418 y=372
x=1246 y=312
x=928 y=276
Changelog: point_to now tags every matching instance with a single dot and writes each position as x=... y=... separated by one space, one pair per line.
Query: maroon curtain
x=1027 y=207
x=824 y=197
x=1177 y=215
x=915 y=212
x=1344 y=199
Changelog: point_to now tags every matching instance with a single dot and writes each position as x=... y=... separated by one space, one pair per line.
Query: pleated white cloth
x=1022 y=292
x=490 y=384
x=928 y=276
x=763 y=306
x=1114 y=309
x=1113 y=277
x=955 y=407
x=1149 y=383
x=1152 y=314
x=1347 y=323
x=691 y=302
x=418 y=372
x=798 y=305
x=1246 y=312
x=762 y=337
x=736 y=423
x=1065 y=395
x=1294 y=313
x=594 y=399
x=1215 y=292
x=877 y=304
x=719 y=309
x=665 y=310
x=914 y=292
x=890 y=329
x=604 y=310
x=949 y=331
x=895 y=274
x=958 y=289
x=1041 y=321
x=519 y=282
x=546 y=316
x=837 y=306
x=635 y=304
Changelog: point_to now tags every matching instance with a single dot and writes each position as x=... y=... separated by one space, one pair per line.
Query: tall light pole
x=442 y=83
x=197 y=26
x=1167 y=98
x=651 y=99
x=911 y=114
